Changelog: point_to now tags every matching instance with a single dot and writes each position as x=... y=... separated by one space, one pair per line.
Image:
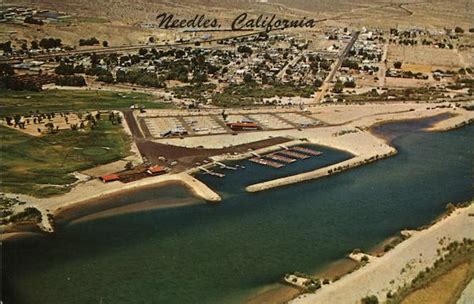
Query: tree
x=350 y=64
x=248 y=78
x=199 y=77
x=105 y=43
x=48 y=43
x=397 y=64
x=129 y=165
x=95 y=59
x=458 y=30
x=107 y=78
x=75 y=81
x=450 y=208
x=6 y=69
x=370 y=300
x=350 y=84
x=6 y=47
x=121 y=76
x=50 y=127
x=34 y=45
x=79 y=68
x=317 y=83
x=90 y=41
x=338 y=87
x=244 y=49
x=64 y=69
x=142 y=51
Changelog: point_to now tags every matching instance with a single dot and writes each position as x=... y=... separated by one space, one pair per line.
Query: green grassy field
x=30 y=164
x=20 y=102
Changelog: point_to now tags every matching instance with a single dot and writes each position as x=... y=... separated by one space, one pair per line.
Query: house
x=156 y=170
x=109 y=178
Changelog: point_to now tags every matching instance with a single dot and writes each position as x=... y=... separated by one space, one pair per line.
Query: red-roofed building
x=156 y=170
x=109 y=178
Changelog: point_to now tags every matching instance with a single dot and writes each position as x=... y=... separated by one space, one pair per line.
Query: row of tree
x=71 y=80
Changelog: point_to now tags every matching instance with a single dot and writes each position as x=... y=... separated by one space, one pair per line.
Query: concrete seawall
x=326 y=171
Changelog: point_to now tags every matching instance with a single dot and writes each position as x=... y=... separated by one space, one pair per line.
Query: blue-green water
x=222 y=253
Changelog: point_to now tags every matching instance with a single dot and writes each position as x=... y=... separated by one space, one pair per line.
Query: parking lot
x=299 y=120
x=270 y=121
x=201 y=125
x=209 y=124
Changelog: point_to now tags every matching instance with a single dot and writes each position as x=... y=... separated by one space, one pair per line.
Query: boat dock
x=224 y=166
x=307 y=151
x=280 y=158
x=293 y=154
x=211 y=172
x=266 y=162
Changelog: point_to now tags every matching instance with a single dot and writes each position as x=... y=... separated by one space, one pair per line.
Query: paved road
x=132 y=124
x=114 y=49
x=291 y=63
x=327 y=82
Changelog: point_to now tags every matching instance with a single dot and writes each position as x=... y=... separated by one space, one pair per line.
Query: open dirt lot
x=425 y=57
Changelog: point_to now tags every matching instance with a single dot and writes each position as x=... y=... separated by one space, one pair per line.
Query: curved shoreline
x=363 y=157
x=353 y=137
x=93 y=190
x=335 y=267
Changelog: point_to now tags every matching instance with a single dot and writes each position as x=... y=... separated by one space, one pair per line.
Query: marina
x=266 y=162
x=306 y=151
x=207 y=171
x=281 y=158
x=293 y=154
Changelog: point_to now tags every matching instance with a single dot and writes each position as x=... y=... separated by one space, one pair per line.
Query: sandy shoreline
x=107 y=205
x=348 y=130
x=385 y=274
x=374 y=147
x=92 y=190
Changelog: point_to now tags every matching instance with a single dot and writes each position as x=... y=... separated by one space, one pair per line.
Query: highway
x=117 y=49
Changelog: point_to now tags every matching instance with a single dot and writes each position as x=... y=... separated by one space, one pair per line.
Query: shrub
x=64 y=69
x=372 y=299
x=47 y=43
x=90 y=41
x=75 y=81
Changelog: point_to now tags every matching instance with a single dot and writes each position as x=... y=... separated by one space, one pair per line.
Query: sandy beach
x=95 y=189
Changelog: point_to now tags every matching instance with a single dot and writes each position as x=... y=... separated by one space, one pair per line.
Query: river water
x=224 y=253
